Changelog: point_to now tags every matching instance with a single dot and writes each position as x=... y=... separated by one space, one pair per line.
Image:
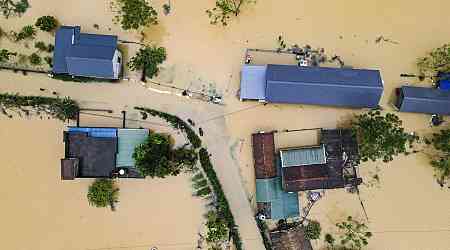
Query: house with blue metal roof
x=341 y=87
x=423 y=100
x=86 y=55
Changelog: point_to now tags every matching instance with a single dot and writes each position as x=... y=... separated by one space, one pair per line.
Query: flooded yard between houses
x=407 y=209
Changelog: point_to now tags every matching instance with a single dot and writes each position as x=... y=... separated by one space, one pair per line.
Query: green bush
x=103 y=193
x=35 y=59
x=441 y=158
x=216 y=228
x=49 y=61
x=147 y=59
x=313 y=230
x=27 y=32
x=63 y=109
x=41 y=46
x=10 y=7
x=5 y=55
x=46 y=23
x=133 y=14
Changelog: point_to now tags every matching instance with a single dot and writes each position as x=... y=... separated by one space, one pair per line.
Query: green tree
x=354 y=234
x=381 y=136
x=217 y=229
x=436 y=61
x=10 y=7
x=147 y=59
x=133 y=14
x=35 y=59
x=5 y=55
x=441 y=160
x=156 y=158
x=41 y=46
x=313 y=230
x=224 y=9
x=27 y=32
x=103 y=193
x=46 y=23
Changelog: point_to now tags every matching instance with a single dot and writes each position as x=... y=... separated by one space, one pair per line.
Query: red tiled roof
x=264 y=155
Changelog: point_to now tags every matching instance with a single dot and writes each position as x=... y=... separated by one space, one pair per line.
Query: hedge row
x=263 y=230
x=176 y=123
x=222 y=206
x=60 y=108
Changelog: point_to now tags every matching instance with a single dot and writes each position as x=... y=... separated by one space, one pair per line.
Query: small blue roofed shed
x=128 y=139
x=274 y=202
x=423 y=100
x=87 y=55
x=353 y=88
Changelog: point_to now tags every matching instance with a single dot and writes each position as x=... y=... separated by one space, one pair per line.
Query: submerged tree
x=441 y=160
x=436 y=61
x=5 y=55
x=313 y=230
x=103 y=193
x=27 y=32
x=156 y=157
x=224 y=9
x=147 y=59
x=217 y=228
x=46 y=23
x=10 y=7
x=133 y=14
x=381 y=136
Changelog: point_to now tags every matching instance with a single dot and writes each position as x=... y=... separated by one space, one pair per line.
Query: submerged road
x=125 y=96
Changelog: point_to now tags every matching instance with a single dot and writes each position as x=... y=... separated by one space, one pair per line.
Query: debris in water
x=200 y=131
x=383 y=39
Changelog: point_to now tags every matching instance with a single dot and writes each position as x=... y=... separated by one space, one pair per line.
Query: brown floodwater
x=407 y=210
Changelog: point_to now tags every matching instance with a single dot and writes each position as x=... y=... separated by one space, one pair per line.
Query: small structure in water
x=423 y=100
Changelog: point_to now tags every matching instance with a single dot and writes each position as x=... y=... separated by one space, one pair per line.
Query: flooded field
x=407 y=210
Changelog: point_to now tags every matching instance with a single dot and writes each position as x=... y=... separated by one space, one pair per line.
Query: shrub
x=5 y=55
x=103 y=193
x=216 y=227
x=313 y=230
x=436 y=61
x=50 y=48
x=224 y=9
x=147 y=59
x=441 y=159
x=35 y=59
x=381 y=137
x=46 y=23
x=27 y=32
x=10 y=7
x=62 y=109
x=133 y=14
x=49 y=61
x=41 y=46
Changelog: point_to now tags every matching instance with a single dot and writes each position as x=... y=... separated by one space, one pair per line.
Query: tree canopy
x=438 y=60
x=224 y=9
x=441 y=160
x=381 y=136
x=103 y=193
x=353 y=235
x=157 y=158
x=46 y=23
x=10 y=7
x=148 y=58
x=133 y=14
x=313 y=230
x=217 y=228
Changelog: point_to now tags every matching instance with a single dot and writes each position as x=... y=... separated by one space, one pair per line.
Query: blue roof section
x=424 y=100
x=355 y=88
x=253 y=82
x=282 y=204
x=96 y=132
x=63 y=42
x=82 y=54
x=128 y=140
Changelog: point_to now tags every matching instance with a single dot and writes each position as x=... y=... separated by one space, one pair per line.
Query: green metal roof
x=283 y=204
x=303 y=156
x=128 y=139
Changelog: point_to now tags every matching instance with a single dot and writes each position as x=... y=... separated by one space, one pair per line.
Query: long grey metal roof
x=425 y=100
x=303 y=156
x=356 y=88
x=253 y=82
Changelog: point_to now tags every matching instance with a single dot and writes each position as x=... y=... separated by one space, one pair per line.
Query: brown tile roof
x=292 y=239
x=264 y=155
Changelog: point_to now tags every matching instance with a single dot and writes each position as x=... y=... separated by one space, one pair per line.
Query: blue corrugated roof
x=357 y=88
x=96 y=132
x=84 y=54
x=253 y=82
x=282 y=204
x=425 y=100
